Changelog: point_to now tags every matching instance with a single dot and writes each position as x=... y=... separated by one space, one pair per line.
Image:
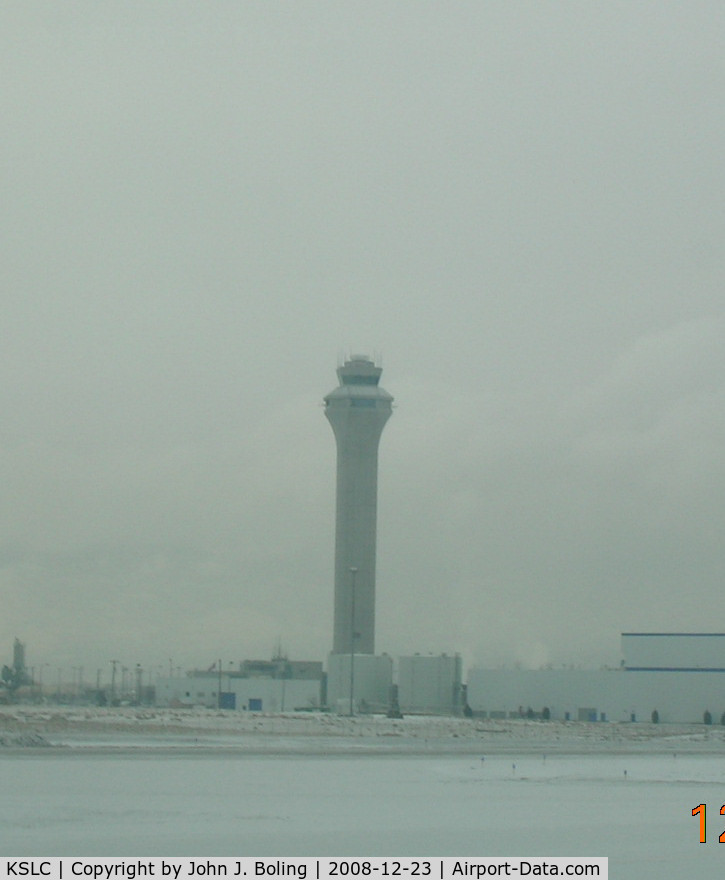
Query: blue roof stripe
x=691 y=635
x=673 y=669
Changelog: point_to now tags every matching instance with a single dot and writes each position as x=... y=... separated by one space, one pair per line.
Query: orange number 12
x=700 y=810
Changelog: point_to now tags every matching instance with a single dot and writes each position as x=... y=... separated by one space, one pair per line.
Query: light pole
x=353 y=572
x=40 y=679
x=219 y=687
x=114 y=663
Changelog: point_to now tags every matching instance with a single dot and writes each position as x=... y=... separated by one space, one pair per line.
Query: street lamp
x=353 y=572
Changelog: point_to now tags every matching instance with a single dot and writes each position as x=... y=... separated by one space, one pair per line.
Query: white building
x=371 y=680
x=251 y=694
x=670 y=677
x=430 y=684
x=680 y=652
x=561 y=694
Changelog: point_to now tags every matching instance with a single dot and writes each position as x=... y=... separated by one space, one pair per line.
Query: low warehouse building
x=667 y=677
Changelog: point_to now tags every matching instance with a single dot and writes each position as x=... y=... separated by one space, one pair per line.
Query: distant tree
x=655 y=717
x=13 y=678
x=707 y=717
x=546 y=713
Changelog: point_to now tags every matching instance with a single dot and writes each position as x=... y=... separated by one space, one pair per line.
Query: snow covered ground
x=165 y=782
x=86 y=727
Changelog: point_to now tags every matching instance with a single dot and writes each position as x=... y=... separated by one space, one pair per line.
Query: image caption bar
x=449 y=868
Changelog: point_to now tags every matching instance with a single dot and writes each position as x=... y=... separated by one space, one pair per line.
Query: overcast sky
x=517 y=206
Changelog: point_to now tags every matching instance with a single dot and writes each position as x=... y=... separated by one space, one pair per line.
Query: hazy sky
x=518 y=206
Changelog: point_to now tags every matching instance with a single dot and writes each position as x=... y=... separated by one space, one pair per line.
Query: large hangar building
x=667 y=677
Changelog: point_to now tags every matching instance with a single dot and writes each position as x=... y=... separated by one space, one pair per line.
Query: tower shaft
x=357 y=412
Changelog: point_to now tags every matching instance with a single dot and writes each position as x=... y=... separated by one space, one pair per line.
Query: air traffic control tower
x=357 y=410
